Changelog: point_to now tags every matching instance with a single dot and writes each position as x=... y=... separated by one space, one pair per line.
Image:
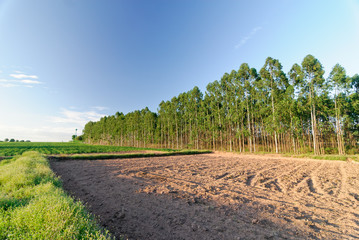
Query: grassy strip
x=325 y=157
x=34 y=206
x=135 y=155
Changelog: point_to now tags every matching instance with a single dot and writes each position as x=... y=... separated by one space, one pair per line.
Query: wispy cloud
x=6 y=83
x=245 y=39
x=100 y=108
x=21 y=76
x=76 y=117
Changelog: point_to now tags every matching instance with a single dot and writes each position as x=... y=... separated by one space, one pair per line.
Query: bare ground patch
x=218 y=196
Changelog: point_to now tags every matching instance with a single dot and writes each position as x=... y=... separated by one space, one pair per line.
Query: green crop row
x=17 y=148
x=128 y=155
x=33 y=204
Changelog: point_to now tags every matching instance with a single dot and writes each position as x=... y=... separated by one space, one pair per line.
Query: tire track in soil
x=277 y=181
x=342 y=190
x=267 y=174
x=312 y=181
x=295 y=179
x=330 y=180
x=248 y=171
x=252 y=173
x=306 y=183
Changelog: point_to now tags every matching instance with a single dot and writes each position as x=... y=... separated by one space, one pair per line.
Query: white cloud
x=245 y=39
x=76 y=117
x=20 y=76
x=30 y=81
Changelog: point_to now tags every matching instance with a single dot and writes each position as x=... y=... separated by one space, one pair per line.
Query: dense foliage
x=247 y=110
x=16 y=148
x=34 y=206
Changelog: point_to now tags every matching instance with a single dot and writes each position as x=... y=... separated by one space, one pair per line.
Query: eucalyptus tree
x=206 y=123
x=228 y=93
x=181 y=108
x=355 y=83
x=216 y=102
x=243 y=90
x=295 y=76
x=175 y=112
x=276 y=81
x=148 y=123
x=260 y=105
x=194 y=104
x=119 y=129
x=246 y=88
x=212 y=99
x=340 y=84
x=311 y=83
x=254 y=100
x=353 y=110
x=165 y=123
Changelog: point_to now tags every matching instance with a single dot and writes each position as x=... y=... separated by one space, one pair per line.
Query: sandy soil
x=218 y=196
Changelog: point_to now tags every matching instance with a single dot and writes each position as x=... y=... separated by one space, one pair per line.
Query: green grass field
x=17 y=148
x=33 y=204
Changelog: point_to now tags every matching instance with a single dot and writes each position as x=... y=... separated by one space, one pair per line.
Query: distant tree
x=27 y=141
x=6 y=140
x=12 y=140
x=17 y=140
x=73 y=137
x=22 y=141
x=79 y=138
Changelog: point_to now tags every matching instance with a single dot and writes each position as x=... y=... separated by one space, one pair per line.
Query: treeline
x=249 y=111
x=13 y=140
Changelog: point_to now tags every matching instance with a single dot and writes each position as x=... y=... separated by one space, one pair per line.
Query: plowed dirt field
x=218 y=196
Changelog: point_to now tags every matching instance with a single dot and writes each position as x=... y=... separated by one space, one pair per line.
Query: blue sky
x=64 y=63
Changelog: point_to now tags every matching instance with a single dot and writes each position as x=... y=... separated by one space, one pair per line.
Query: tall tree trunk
x=254 y=134
x=292 y=131
x=249 y=129
x=341 y=149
